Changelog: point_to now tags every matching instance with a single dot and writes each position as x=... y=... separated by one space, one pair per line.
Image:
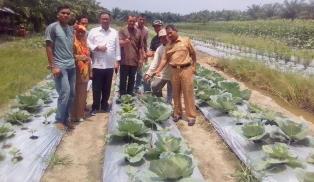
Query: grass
x=23 y=64
x=244 y=175
x=56 y=160
x=292 y=88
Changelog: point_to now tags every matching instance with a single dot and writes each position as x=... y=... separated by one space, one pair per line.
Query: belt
x=181 y=66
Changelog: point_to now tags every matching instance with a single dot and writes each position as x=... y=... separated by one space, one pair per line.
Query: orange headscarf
x=81 y=49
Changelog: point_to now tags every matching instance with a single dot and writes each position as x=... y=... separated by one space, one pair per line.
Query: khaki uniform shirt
x=180 y=52
x=130 y=53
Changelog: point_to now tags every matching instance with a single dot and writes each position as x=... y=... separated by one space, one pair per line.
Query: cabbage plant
x=157 y=112
x=134 y=152
x=173 y=167
x=234 y=89
x=18 y=117
x=131 y=129
x=224 y=102
x=42 y=94
x=254 y=131
x=305 y=176
x=276 y=155
x=294 y=131
x=29 y=103
x=6 y=131
x=165 y=144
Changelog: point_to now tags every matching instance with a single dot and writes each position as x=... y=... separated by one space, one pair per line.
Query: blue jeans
x=65 y=86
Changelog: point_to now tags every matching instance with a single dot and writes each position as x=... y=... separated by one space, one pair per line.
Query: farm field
x=254 y=123
x=291 y=41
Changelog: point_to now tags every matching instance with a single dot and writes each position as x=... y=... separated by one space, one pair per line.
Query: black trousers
x=127 y=79
x=102 y=79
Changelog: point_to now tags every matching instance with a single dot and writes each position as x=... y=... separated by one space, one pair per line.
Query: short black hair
x=105 y=13
x=79 y=18
x=130 y=15
x=63 y=6
x=142 y=15
x=172 y=27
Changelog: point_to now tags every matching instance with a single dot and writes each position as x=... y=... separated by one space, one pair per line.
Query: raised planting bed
x=145 y=145
x=274 y=147
x=28 y=138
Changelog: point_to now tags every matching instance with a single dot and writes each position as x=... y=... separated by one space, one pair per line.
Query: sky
x=182 y=6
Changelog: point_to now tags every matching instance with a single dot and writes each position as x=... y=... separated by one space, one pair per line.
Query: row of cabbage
x=268 y=130
x=253 y=47
x=146 y=139
x=25 y=109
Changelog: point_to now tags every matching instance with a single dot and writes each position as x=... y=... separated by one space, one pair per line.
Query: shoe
x=60 y=126
x=93 y=112
x=176 y=118
x=70 y=125
x=191 y=122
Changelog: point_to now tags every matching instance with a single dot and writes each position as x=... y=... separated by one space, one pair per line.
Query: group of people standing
x=76 y=55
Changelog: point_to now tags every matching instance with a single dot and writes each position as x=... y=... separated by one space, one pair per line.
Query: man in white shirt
x=158 y=83
x=104 y=44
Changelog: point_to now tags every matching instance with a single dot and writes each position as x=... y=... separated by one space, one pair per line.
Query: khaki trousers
x=182 y=83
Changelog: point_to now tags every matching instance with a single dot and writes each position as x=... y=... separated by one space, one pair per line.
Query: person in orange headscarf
x=83 y=65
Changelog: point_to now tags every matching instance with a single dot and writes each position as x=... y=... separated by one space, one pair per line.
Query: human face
x=141 y=21
x=84 y=22
x=163 y=40
x=80 y=34
x=105 y=21
x=157 y=28
x=64 y=16
x=172 y=35
x=131 y=22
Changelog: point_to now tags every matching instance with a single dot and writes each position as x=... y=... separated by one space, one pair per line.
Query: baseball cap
x=158 y=22
x=162 y=32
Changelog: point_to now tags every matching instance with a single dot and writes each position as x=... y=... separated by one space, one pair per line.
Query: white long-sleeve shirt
x=100 y=37
x=166 y=72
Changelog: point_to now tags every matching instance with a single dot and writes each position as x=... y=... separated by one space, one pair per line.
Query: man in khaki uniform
x=181 y=57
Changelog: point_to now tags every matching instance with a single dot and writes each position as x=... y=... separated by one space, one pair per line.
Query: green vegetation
x=23 y=64
x=280 y=39
x=291 y=88
x=57 y=160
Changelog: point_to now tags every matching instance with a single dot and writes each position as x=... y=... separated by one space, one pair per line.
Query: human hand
x=102 y=48
x=149 y=54
x=147 y=77
x=116 y=67
x=55 y=72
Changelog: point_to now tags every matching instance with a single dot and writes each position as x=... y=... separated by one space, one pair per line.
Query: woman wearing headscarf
x=83 y=65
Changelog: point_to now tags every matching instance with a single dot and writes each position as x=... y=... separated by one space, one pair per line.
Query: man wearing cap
x=158 y=83
x=131 y=55
x=181 y=57
x=104 y=43
x=155 y=42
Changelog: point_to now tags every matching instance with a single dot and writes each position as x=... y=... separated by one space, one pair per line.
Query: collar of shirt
x=103 y=30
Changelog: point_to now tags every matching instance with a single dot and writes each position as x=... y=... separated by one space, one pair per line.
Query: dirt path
x=84 y=146
x=215 y=160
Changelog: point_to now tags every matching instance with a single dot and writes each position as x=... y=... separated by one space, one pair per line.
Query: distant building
x=8 y=21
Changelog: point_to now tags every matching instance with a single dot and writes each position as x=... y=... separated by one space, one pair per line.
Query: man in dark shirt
x=155 y=42
x=131 y=55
